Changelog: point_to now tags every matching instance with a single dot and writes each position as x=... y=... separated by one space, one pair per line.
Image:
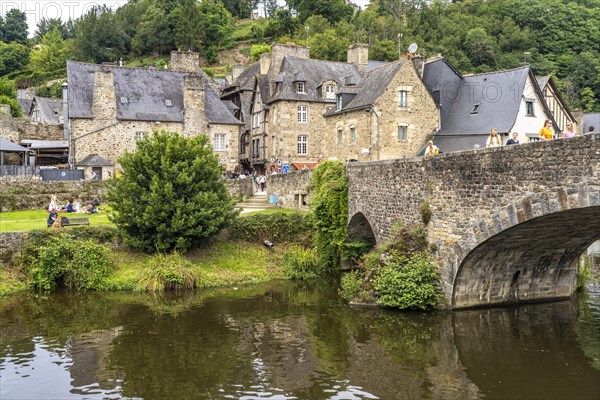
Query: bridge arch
x=528 y=251
x=359 y=228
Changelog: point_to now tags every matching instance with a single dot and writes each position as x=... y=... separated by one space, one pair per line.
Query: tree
x=240 y=8
x=217 y=25
x=15 y=27
x=170 y=195
x=50 y=54
x=154 y=33
x=99 y=36
x=47 y=25
x=333 y=10
x=479 y=46
x=13 y=57
x=188 y=28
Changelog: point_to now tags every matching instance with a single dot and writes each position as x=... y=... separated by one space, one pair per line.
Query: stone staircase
x=259 y=201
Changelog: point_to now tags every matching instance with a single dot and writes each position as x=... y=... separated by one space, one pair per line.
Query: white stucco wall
x=525 y=124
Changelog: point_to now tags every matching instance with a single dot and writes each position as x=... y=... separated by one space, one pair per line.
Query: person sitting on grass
x=70 y=206
x=52 y=217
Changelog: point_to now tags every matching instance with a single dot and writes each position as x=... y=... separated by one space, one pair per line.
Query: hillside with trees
x=556 y=37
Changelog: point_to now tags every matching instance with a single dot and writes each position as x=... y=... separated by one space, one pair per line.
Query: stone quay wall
x=33 y=195
x=501 y=194
x=293 y=189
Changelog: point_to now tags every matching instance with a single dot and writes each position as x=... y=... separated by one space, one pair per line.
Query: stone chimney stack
x=236 y=72
x=358 y=54
x=104 y=101
x=279 y=51
x=194 y=114
x=419 y=63
x=186 y=61
x=265 y=63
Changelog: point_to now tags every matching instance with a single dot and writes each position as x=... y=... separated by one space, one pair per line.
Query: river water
x=286 y=340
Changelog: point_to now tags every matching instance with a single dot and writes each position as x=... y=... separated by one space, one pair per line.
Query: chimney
x=194 y=114
x=279 y=51
x=186 y=61
x=236 y=72
x=265 y=63
x=104 y=101
x=358 y=54
x=419 y=63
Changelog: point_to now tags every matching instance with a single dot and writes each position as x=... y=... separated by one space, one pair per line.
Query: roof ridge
x=138 y=68
x=498 y=72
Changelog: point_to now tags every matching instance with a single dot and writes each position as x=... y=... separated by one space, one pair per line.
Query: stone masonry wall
x=420 y=116
x=34 y=195
x=10 y=244
x=293 y=189
x=477 y=194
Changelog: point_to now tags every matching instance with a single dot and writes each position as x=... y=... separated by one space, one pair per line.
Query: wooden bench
x=74 y=221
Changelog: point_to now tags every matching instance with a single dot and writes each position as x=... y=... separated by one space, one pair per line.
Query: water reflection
x=290 y=341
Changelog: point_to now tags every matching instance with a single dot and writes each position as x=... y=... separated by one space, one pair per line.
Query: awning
x=46 y=144
x=303 y=165
x=10 y=147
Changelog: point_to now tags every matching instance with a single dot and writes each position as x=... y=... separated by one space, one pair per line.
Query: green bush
x=330 y=211
x=15 y=108
x=351 y=285
x=62 y=262
x=425 y=212
x=258 y=49
x=170 y=195
x=407 y=282
x=300 y=263
x=276 y=227
x=169 y=272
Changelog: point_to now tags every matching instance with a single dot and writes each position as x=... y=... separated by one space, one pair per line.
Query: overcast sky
x=35 y=10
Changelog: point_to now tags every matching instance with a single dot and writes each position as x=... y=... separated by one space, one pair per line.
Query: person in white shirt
x=431 y=149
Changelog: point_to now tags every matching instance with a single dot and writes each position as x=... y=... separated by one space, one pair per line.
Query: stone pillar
x=194 y=115
x=265 y=63
x=104 y=103
x=186 y=61
x=358 y=54
x=279 y=51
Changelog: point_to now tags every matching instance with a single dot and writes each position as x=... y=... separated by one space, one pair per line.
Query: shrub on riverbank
x=169 y=272
x=398 y=273
x=275 y=226
x=301 y=263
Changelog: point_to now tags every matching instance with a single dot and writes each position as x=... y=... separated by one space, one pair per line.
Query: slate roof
x=94 y=160
x=372 y=86
x=443 y=82
x=450 y=143
x=592 y=119
x=50 y=109
x=315 y=72
x=500 y=113
x=146 y=92
x=25 y=105
x=10 y=147
x=46 y=144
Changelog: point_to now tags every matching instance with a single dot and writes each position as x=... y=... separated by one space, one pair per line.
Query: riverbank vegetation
x=397 y=273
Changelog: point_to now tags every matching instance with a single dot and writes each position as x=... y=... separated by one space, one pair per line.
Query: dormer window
x=124 y=100
x=168 y=103
x=475 y=109
x=300 y=87
x=330 y=91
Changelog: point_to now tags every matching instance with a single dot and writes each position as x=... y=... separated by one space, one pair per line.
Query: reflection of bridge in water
x=509 y=224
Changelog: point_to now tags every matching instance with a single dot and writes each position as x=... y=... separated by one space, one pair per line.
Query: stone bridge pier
x=509 y=224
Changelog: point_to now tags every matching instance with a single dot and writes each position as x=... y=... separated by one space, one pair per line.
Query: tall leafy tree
x=217 y=24
x=170 y=195
x=47 y=25
x=333 y=10
x=50 y=54
x=240 y=8
x=188 y=28
x=154 y=33
x=15 y=27
x=99 y=36
x=13 y=57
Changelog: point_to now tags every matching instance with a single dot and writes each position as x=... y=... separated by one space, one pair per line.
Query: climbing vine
x=330 y=212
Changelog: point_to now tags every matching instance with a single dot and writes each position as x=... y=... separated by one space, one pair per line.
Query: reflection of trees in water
x=588 y=326
x=529 y=351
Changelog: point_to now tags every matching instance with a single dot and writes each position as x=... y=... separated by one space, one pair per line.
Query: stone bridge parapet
x=509 y=223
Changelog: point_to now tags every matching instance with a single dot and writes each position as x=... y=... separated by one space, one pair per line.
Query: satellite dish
x=413 y=48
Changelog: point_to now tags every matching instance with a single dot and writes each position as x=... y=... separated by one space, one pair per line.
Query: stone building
x=298 y=111
x=471 y=105
x=111 y=107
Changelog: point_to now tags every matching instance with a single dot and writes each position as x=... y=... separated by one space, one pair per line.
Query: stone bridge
x=509 y=224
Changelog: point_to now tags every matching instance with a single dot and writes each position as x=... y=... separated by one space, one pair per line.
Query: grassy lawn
x=19 y=221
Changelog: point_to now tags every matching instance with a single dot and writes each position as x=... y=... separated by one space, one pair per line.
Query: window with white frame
x=403 y=98
x=340 y=136
x=302 y=145
x=330 y=91
x=140 y=135
x=300 y=87
x=303 y=114
x=352 y=134
x=402 y=133
x=219 y=142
